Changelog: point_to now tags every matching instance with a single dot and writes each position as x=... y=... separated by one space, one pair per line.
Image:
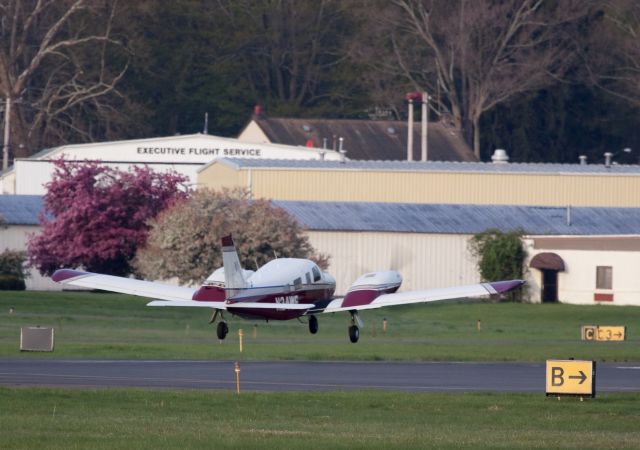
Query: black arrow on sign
x=619 y=334
x=580 y=377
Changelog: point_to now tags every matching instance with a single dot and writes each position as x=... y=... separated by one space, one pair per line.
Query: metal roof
x=462 y=219
x=20 y=209
x=415 y=218
x=368 y=139
x=433 y=166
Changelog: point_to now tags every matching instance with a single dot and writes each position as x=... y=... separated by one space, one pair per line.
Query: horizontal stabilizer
x=190 y=303
x=278 y=306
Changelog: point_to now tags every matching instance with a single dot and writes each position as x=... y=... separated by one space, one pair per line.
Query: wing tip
x=62 y=275
x=505 y=286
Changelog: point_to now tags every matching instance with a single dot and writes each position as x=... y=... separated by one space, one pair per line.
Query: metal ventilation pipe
x=583 y=160
x=410 y=132
x=411 y=97
x=425 y=120
x=607 y=159
x=500 y=156
x=342 y=151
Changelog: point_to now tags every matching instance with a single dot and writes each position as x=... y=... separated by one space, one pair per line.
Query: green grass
x=67 y=419
x=117 y=326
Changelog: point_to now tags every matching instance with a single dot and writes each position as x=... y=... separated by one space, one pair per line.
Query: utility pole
x=7 y=123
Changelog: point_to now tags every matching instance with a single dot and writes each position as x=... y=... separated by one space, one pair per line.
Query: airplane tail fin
x=233 y=276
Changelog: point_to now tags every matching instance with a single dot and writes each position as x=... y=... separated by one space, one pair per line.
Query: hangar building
x=184 y=154
x=429 y=182
x=581 y=255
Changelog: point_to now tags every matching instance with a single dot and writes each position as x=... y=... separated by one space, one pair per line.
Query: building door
x=549 y=285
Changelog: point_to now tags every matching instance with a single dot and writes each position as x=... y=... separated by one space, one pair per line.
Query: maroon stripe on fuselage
x=365 y=296
x=303 y=296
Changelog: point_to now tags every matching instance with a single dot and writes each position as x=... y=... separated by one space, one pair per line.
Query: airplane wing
x=131 y=286
x=361 y=300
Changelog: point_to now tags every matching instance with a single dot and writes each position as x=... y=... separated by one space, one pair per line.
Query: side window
x=308 y=276
x=316 y=273
x=297 y=283
x=604 y=277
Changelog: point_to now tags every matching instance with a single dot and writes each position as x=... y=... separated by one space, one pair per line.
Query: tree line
x=545 y=79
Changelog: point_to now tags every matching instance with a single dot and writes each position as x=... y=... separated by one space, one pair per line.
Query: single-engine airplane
x=282 y=289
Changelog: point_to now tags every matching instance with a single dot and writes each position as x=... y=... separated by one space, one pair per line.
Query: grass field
x=66 y=419
x=117 y=326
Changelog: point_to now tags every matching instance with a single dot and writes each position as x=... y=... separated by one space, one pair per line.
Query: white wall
x=184 y=154
x=577 y=284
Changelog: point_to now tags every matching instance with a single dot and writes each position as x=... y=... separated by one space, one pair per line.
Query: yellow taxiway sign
x=571 y=377
x=603 y=333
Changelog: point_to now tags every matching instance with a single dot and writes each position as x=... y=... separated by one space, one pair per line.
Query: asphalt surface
x=301 y=375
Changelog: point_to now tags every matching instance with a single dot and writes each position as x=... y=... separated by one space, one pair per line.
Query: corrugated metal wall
x=15 y=237
x=424 y=260
x=419 y=187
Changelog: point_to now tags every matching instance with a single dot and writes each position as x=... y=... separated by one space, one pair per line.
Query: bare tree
x=479 y=53
x=56 y=71
x=291 y=47
x=613 y=59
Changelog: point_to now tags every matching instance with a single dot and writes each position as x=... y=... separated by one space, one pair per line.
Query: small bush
x=11 y=283
x=12 y=273
x=500 y=256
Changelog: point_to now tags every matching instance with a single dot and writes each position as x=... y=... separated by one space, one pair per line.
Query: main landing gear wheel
x=313 y=324
x=222 y=330
x=354 y=333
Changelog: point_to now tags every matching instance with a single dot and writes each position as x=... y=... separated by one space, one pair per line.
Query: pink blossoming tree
x=95 y=217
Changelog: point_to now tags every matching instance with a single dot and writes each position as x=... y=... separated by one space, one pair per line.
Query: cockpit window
x=316 y=273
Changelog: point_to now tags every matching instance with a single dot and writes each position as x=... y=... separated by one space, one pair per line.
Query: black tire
x=354 y=333
x=222 y=330
x=313 y=324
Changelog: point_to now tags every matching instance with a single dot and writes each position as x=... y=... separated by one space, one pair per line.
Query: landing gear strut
x=354 y=331
x=313 y=324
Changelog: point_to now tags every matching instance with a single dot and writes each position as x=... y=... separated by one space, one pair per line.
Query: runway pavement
x=301 y=375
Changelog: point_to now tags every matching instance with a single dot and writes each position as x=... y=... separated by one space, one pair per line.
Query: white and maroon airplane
x=282 y=289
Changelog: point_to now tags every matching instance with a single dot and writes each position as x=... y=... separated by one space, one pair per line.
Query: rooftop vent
x=391 y=130
x=583 y=160
x=500 y=156
x=306 y=128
